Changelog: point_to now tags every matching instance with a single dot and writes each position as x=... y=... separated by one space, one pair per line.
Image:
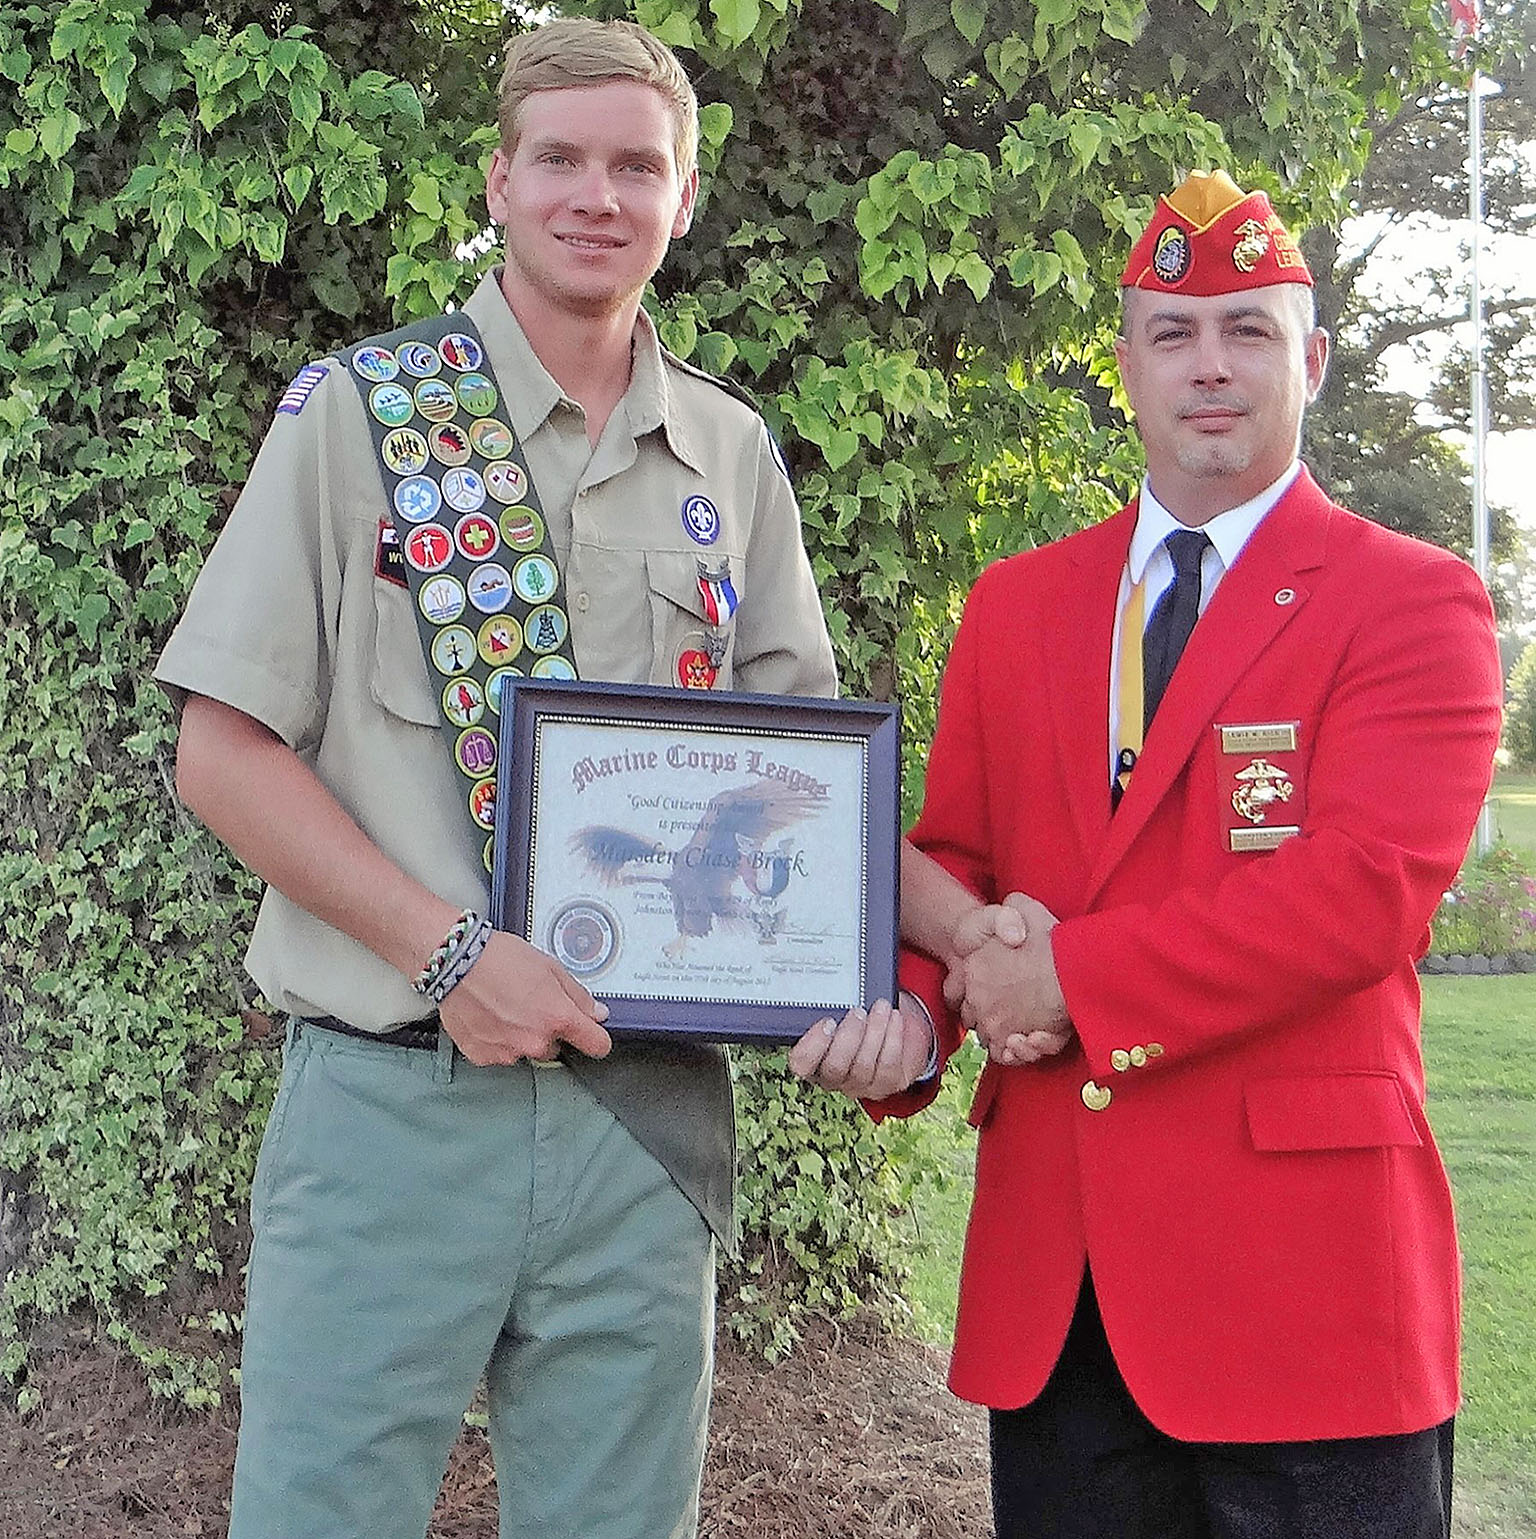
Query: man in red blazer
x=1210 y=1287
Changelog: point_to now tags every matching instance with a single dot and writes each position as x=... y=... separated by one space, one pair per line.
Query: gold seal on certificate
x=719 y=866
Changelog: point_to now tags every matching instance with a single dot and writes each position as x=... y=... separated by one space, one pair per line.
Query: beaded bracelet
x=443 y=956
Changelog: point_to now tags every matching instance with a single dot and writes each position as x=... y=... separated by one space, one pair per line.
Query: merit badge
x=461 y=353
x=475 y=534
x=494 y=685
x=428 y=548
x=490 y=439
x=391 y=404
x=701 y=520
x=388 y=563
x=545 y=628
x=449 y=444
x=490 y=588
x=506 y=481
x=1252 y=243
x=1260 y=788
x=475 y=752
x=464 y=492
x=404 y=451
x=534 y=578
x=482 y=803
x=478 y=395
x=453 y=650
x=463 y=702
x=435 y=400
x=553 y=668
x=500 y=640
x=375 y=363
x=442 y=599
x=718 y=594
x=420 y=359
x=418 y=499
x=488 y=854
x=1171 y=255
x=584 y=937
x=522 y=528
x=301 y=387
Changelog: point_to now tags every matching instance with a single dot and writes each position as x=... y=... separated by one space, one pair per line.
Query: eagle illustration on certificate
x=700 y=866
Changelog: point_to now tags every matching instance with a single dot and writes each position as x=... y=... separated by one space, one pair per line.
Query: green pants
x=419 y=1221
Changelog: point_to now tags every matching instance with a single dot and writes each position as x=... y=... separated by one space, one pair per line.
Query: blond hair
x=577 y=51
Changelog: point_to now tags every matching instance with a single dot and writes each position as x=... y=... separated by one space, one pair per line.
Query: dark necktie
x=1173 y=618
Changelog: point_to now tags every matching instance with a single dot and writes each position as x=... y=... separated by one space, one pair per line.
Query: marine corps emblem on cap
x=1210 y=237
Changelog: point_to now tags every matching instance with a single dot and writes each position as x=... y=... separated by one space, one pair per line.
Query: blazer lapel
x=1077 y=654
x=1261 y=594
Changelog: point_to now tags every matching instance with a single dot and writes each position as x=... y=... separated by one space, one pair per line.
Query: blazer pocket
x=1363 y=1109
x=397 y=674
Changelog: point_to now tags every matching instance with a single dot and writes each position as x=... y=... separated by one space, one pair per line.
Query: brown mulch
x=852 y=1437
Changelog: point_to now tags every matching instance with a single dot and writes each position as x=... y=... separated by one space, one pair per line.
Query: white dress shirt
x=1149 y=561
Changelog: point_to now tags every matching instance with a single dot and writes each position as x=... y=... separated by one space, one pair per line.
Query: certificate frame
x=677 y=738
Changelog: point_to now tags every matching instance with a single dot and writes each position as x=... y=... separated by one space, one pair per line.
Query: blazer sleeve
x=954 y=829
x=1401 y=764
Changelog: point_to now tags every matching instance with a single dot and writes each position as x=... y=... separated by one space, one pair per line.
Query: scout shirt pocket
x=397 y=674
x=1260 y=784
x=1348 y=1109
x=687 y=648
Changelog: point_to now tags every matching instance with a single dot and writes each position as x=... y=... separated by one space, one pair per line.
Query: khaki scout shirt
x=290 y=624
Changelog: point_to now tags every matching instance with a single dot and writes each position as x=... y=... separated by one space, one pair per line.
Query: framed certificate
x=711 y=865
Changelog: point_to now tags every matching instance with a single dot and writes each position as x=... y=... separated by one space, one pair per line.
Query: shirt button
x=582 y=601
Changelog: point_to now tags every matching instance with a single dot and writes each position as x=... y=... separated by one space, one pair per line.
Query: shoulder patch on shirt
x=302 y=386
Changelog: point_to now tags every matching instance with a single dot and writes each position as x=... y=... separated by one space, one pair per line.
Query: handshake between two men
x=1000 y=978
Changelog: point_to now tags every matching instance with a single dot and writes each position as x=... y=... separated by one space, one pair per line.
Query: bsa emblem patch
x=1252 y=243
x=701 y=520
x=1261 y=787
x=1171 y=255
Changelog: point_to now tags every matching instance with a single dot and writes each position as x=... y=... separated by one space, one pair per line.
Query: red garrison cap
x=1210 y=237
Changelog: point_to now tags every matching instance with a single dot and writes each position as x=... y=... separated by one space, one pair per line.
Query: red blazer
x=1266 y=1214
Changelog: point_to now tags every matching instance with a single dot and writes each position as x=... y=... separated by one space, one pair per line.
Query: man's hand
x=1008 y=994
x=986 y=921
x=869 y=1056
x=517 y=1003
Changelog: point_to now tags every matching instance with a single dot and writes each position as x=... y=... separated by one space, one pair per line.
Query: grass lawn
x=1480 y=1045
x=1514 y=808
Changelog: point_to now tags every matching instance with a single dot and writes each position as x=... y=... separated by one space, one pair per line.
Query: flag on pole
x=1464 y=20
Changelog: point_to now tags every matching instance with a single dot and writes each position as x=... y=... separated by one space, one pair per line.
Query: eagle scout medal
x=717 y=592
x=459 y=502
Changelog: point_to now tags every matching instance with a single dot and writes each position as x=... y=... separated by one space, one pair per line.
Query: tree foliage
x=915 y=213
x=1378 y=447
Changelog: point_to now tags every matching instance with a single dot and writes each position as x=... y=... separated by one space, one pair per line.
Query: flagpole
x=1485 y=830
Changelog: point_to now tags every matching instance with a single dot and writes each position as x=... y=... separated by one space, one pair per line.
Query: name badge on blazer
x=1261 y=798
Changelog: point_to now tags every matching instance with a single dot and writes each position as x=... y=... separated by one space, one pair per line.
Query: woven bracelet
x=442 y=958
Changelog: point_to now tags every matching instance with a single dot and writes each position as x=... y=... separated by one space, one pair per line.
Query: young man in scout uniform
x=459 y=1176
x=1210 y=1287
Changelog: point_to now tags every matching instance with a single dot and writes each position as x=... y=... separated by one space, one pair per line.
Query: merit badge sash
x=470 y=530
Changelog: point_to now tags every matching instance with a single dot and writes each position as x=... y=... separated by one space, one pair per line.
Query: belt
x=420 y=1034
